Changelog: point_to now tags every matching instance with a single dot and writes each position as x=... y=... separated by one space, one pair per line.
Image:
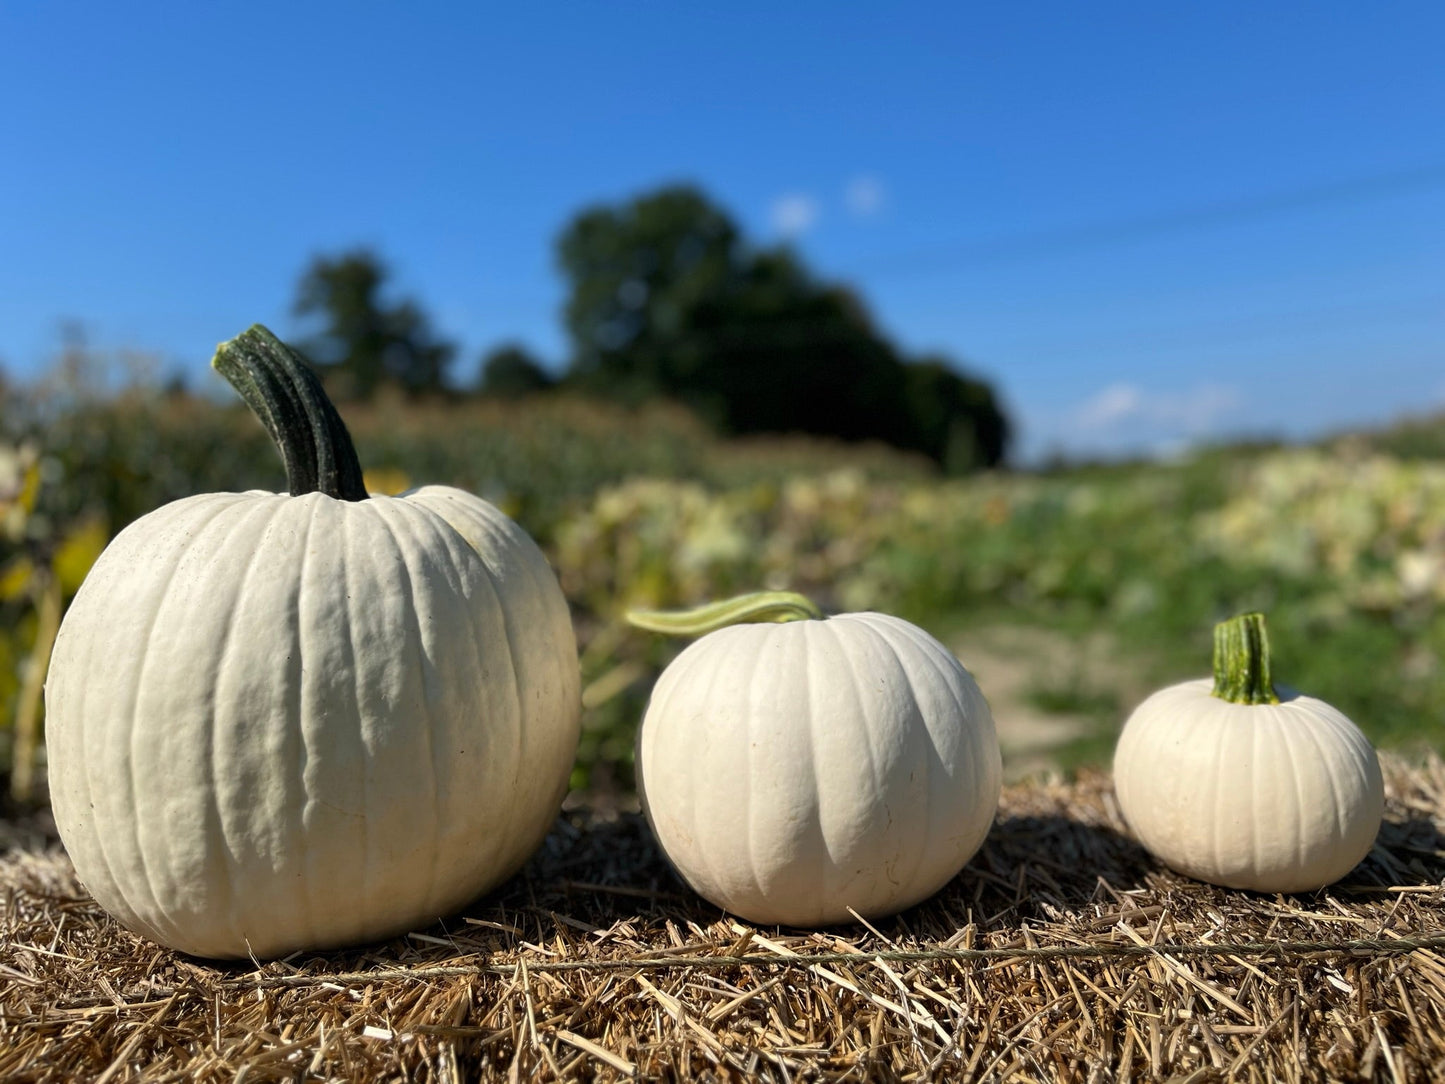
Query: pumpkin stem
x=775 y=606
x=1241 y=661
x=283 y=392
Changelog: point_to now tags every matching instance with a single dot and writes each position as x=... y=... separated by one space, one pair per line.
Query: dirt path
x=1024 y=671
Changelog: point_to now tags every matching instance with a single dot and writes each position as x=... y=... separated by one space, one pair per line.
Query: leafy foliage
x=511 y=372
x=364 y=343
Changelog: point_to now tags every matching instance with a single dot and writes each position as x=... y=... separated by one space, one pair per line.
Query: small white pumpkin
x=283 y=722
x=1231 y=782
x=792 y=772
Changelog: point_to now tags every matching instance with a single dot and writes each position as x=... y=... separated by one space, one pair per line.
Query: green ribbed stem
x=763 y=606
x=1241 y=661
x=283 y=392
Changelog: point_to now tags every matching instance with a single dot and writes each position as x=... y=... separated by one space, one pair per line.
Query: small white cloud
x=1114 y=403
x=1201 y=409
x=794 y=214
x=1188 y=413
x=864 y=196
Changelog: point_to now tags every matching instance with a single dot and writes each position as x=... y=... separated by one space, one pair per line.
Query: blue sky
x=1147 y=223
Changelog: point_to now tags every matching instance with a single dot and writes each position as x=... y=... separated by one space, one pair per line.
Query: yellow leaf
x=30 y=490
x=15 y=581
x=77 y=553
x=388 y=481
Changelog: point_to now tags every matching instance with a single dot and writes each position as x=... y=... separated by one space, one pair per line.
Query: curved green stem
x=775 y=606
x=283 y=392
x=1241 y=661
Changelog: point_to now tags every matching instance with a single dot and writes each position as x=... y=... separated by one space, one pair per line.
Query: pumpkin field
x=1112 y=575
x=1063 y=951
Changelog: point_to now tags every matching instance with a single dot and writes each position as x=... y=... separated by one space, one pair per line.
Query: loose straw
x=1368 y=947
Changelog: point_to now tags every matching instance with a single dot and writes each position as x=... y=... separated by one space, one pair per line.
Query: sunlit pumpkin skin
x=280 y=722
x=1280 y=797
x=794 y=771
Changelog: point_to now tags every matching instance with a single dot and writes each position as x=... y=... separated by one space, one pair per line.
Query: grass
x=1074 y=699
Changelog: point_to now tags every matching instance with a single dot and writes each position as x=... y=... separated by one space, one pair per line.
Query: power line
x=1259 y=325
x=1027 y=245
x=805 y=332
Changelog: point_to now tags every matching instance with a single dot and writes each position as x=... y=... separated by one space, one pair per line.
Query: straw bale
x=1062 y=953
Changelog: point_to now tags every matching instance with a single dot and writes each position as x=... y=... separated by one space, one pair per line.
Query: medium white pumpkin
x=794 y=771
x=1233 y=783
x=280 y=722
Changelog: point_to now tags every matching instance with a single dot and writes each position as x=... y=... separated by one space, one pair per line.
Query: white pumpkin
x=281 y=722
x=1232 y=782
x=794 y=771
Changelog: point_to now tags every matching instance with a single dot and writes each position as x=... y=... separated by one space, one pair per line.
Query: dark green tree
x=667 y=298
x=510 y=371
x=955 y=419
x=641 y=276
x=363 y=341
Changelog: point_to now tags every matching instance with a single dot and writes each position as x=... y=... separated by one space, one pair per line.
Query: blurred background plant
x=45 y=552
x=1342 y=542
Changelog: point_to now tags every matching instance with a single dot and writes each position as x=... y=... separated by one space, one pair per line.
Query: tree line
x=667 y=298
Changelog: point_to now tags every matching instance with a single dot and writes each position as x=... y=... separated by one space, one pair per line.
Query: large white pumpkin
x=794 y=771
x=1263 y=790
x=279 y=722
